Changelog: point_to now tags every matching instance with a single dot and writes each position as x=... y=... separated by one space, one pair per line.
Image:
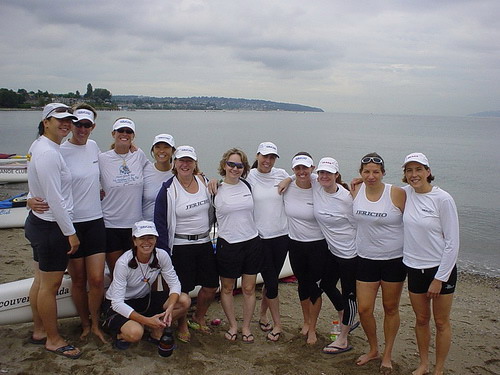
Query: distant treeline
x=207 y=103
x=103 y=99
x=100 y=98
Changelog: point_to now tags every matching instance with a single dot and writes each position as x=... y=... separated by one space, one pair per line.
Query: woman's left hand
x=434 y=289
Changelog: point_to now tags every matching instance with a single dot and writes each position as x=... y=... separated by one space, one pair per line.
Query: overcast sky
x=430 y=57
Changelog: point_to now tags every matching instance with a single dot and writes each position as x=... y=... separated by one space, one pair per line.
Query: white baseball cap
x=84 y=114
x=57 y=110
x=144 y=228
x=417 y=157
x=166 y=138
x=302 y=160
x=185 y=152
x=266 y=148
x=124 y=123
x=328 y=164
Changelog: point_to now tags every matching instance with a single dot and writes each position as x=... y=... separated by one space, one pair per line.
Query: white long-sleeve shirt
x=431 y=231
x=83 y=163
x=128 y=283
x=50 y=179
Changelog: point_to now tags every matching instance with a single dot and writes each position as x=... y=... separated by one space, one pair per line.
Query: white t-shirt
x=269 y=209
x=49 y=178
x=83 y=162
x=122 y=181
x=234 y=212
x=299 y=208
x=153 y=178
x=191 y=211
x=128 y=283
x=333 y=211
x=380 y=226
x=431 y=231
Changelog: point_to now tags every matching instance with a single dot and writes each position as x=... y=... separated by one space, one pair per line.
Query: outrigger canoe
x=15 y=306
x=14 y=171
x=13 y=211
x=9 y=158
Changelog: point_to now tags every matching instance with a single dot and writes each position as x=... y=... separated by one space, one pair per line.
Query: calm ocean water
x=462 y=152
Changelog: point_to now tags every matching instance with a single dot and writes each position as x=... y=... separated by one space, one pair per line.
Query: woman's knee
x=132 y=331
x=442 y=324
x=184 y=301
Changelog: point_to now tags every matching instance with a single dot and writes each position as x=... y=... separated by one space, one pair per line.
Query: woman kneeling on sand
x=130 y=303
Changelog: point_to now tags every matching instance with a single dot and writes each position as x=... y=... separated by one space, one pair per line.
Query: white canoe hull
x=15 y=307
x=13 y=172
x=13 y=217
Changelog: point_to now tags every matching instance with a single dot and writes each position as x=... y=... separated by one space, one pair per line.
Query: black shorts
x=50 y=245
x=420 y=280
x=236 y=259
x=195 y=265
x=144 y=306
x=391 y=270
x=118 y=239
x=92 y=236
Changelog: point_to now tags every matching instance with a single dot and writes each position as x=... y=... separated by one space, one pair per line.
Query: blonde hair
x=227 y=155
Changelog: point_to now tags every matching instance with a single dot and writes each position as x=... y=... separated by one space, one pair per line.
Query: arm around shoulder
x=398 y=196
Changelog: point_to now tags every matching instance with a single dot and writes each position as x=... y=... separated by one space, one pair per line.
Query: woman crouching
x=130 y=302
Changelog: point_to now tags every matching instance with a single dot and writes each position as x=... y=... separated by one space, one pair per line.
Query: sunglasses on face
x=125 y=130
x=86 y=125
x=372 y=159
x=232 y=164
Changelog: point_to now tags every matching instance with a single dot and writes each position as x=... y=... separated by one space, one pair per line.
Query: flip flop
x=230 y=336
x=336 y=349
x=265 y=327
x=66 y=348
x=248 y=339
x=34 y=341
x=198 y=327
x=184 y=337
x=275 y=336
x=354 y=326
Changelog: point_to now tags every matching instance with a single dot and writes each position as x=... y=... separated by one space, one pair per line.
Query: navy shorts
x=236 y=259
x=391 y=270
x=118 y=239
x=149 y=305
x=50 y=245
x=420 y=280
x=92 y=236
x=195 y=265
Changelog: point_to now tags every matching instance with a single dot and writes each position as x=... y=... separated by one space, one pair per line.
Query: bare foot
x=100 y=334
x=421 y=370
x=365 y=358
x=85 y=332
x=311 y=338
x=385 y=370
x=305 y=329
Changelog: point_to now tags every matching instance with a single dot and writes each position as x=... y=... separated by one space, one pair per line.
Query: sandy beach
x=475 y=349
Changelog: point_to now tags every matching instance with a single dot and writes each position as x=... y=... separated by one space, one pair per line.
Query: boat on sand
x=13 y=211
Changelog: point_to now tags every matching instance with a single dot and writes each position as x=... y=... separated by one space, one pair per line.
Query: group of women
x=368 y=238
